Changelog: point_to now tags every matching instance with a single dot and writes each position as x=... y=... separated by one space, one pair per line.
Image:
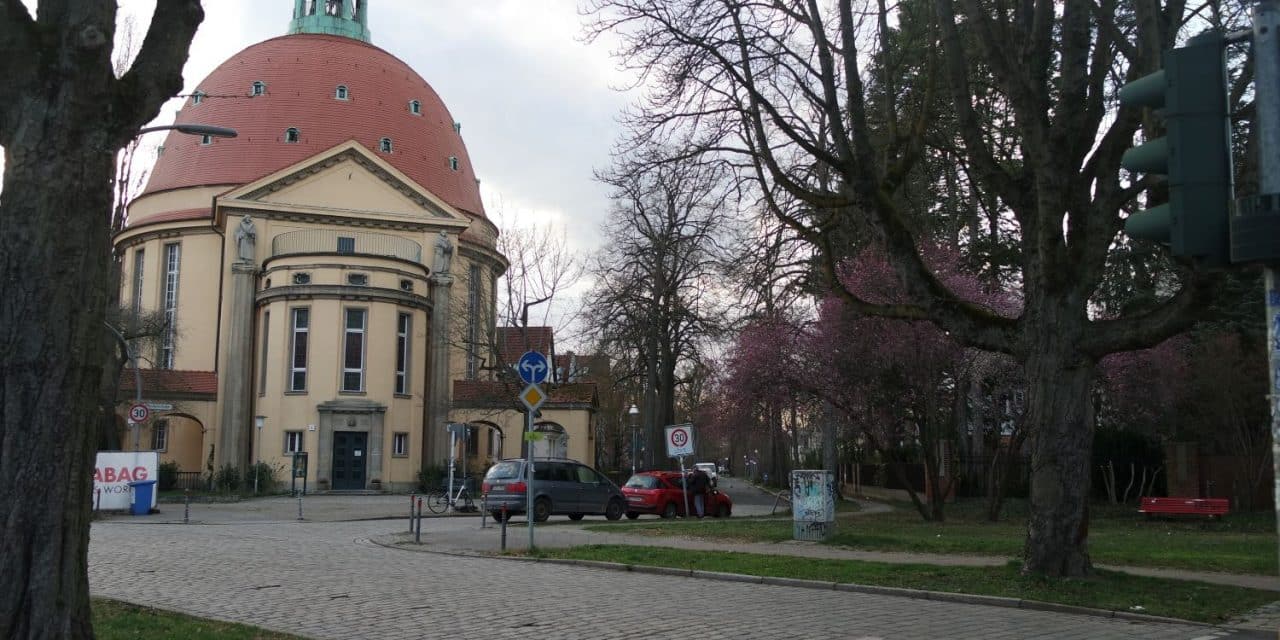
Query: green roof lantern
x=346 y=18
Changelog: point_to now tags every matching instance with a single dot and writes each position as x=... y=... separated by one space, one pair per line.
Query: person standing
x=699 y=484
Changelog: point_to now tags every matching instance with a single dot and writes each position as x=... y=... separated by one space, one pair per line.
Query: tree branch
x=156 y=74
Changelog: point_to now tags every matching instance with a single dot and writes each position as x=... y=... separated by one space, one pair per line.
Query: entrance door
x=350 y=454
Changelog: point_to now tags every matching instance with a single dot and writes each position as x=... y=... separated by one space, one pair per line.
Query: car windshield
x=504 y=471
x=643 y=482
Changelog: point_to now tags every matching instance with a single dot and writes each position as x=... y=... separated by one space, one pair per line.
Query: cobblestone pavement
x=327 y=580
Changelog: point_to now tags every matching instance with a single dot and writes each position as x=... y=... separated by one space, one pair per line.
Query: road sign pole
x=1266 y=52
x=685 y=480
x=528 y=493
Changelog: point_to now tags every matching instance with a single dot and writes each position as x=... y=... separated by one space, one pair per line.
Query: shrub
x=429 y=478
x=266 y=476
x=168 y=475
x=227 y=479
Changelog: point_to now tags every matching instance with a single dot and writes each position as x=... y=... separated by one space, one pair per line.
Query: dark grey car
x=560 y=487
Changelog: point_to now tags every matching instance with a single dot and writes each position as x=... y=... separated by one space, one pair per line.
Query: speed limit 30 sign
x=139 y=413
x=680 y=440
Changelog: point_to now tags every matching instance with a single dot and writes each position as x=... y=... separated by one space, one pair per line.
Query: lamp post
x=193 y=130
x=258 y=421
x=634 y=414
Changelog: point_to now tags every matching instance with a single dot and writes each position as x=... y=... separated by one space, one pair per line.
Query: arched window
x=453 y=162
x=259 y=88
x=333 y=7
x=341 y=92
x=197 y=97
x=291 y=134
x=385 y=145
x=415 y=107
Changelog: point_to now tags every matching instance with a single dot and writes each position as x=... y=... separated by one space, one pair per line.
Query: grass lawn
x=1106 y=590
x=113 y=620
x=1239 y=543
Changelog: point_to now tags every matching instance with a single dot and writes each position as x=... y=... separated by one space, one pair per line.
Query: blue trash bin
x=141 y=504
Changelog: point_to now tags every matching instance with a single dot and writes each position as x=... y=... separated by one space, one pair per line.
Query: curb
x=898 y=592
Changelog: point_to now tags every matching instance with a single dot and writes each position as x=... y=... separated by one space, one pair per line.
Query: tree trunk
x=55 y=292
x=1061 y=430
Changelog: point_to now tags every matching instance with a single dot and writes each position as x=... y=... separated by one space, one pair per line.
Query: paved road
x=327 y=580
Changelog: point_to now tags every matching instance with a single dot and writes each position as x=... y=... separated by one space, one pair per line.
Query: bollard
x=97 y=499
x=411 y=497
x=483 y=513
x=504 y=527
x=299 y=506
x=186 y=506
x=417 y=536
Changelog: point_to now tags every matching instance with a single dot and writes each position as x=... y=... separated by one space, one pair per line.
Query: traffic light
x=1195 y=153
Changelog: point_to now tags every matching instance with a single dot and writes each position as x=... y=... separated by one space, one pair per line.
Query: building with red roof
x=326 y=275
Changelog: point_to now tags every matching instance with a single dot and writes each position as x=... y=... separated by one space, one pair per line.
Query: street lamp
x=258 y=421
x=193 y=130
x=634 y=415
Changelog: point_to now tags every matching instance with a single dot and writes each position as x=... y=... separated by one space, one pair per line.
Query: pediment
x=347 y=180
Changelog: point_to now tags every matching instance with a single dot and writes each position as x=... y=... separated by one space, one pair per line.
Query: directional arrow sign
x=533 y=367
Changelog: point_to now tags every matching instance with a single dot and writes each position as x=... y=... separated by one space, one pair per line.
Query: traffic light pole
x=1266 y=51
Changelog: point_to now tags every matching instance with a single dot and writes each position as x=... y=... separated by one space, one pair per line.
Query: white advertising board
x=113 y=472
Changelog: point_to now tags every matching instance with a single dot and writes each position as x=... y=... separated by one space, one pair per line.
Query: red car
x=661 y=493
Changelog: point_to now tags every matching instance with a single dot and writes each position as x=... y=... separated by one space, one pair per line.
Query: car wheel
x=632 y=515
x=497 y=515
x=614 y=510
x=575 y=516
x=541 y=510
x=723 y=511
x=669 y=511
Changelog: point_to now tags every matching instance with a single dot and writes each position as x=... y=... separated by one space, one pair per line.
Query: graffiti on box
x=812 y=499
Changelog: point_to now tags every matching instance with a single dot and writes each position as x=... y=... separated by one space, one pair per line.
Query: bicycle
x=440 y=501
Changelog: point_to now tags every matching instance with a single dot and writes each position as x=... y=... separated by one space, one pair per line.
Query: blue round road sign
x=533 y=367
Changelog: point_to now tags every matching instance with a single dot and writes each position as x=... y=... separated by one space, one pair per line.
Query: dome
x=315 y=92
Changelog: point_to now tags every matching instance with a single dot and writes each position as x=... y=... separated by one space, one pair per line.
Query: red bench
x=1212 y=507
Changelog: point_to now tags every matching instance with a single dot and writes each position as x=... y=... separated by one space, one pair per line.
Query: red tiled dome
x=302 y=73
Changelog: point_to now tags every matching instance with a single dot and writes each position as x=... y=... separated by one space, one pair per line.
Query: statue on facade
x=444 y=253
x=246 y=238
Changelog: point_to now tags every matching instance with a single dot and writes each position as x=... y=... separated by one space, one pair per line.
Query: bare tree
x=55 y=223
x=781 y=88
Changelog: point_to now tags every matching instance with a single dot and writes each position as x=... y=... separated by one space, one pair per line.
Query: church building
x=327 y=276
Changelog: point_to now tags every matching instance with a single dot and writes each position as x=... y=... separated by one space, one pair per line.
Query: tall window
x=139 y=264
x=292 y=441
x=262 y=359
x=353 y=351
x=473 y=441
x=415 y=107
x=341 y=92
x=402 y=353
x=473 y=322
x=385 y=145
x=172 y=260
x=400 y=445
x=160 y=435
x=259 y=88
x=298 y=349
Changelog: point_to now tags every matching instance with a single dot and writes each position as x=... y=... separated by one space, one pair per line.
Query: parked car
x=662 y=493
x=709 y=468
x=560 y=487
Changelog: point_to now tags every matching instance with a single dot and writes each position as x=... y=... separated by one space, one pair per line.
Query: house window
x=353 y=351
x=302 y=278
x=346 y=245
x=298 y=349
x=406 y=285
x=259 y=88
x=292 y=442
x=139 y=263
x=262 y=359
x=160 y=435
x=358 y=279
x=473 y=441
x=385 y=145
x=197 y=97
x=403 y=324
x=206 y=140
x=172 y=260
x=415 y=107
x=473 y=322
x=453 y=162
x=291 y=134
x=341 y=92
x=400 y=445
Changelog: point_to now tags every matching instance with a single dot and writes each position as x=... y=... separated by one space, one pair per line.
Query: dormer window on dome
x=341 y=92
x=197 y=97
x=259 y=88
x=291 y=134
x=385 y=145
x=206 y=139
x=415 y=107
x=457 y=127
x=453 y=162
